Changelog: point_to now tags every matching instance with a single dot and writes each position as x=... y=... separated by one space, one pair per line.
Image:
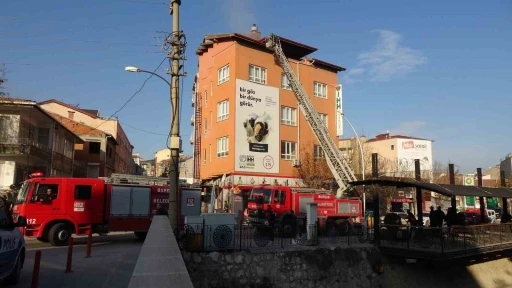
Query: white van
x=492 y=216
x=12 y=245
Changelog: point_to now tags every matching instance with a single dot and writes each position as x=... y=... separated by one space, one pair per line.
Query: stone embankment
x=313 y=268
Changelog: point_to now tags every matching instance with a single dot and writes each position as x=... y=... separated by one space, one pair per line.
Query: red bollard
x=70 y=256
x=89 y=244
x=35 y=272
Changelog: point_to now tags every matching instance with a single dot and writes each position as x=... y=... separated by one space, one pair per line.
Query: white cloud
x=409 y=128
x=239 y=14
x=389 y=58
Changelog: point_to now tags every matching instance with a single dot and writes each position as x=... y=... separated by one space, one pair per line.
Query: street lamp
x=362 y=158
x=135 y=69
x=173 y=179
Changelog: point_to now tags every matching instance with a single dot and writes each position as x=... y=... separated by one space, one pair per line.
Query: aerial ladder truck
x=340 y=169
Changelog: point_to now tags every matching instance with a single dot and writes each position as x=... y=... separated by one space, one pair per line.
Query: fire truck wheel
x=141 y=235
x=344 y=226
x=59 y=234
x=42 y=239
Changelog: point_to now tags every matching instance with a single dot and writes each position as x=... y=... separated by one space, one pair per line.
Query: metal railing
x=25 y=142
x=206 y=238
x=455 y=240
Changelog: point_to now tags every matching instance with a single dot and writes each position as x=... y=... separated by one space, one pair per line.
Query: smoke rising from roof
x=239 y=14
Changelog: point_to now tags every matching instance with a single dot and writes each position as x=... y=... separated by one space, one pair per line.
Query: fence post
x=203 y=228
x=70 y=256
x=35 y=272
x=241 y=226
x=89 y=243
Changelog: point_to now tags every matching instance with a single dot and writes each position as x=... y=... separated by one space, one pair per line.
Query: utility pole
x=176 y=55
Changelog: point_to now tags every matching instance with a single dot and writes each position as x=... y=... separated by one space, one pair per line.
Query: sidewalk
x=111 y=265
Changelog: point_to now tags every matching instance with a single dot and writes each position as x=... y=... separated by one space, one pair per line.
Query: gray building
x=506 y=165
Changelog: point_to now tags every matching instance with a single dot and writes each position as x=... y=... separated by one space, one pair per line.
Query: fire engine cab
x=56 y=208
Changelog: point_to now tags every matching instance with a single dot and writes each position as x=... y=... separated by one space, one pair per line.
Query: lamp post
x=172 y=178
x=362 y=158
x=135 y=69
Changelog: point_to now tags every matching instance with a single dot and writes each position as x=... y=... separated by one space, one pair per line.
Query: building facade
x=399 y=153
x=148 y=167
x=97 y=151
x=162 y=158
x=31 y=140
x=123 y=152
x=247 y=120
x=506 y=166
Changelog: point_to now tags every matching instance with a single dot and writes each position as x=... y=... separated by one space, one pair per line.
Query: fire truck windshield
x=260 y=194
x=22 y=195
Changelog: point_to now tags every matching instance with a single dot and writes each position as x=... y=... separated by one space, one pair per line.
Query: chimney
x=255 y=33
x=71 y=114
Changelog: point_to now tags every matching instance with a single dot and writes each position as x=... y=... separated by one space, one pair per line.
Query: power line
x=144 y=2
x=70 y=25
x=75 y=40
x=130 y=99
x=76 y=49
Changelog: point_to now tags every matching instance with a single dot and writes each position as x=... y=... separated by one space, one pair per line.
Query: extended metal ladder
x=339 y=167
x=117 y=178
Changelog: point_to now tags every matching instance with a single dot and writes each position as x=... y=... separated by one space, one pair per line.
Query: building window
x=204 y=157
x=210 y=152
x=223 y=75
x=43 y=136
x=318 y=152
x=288 y=116
x=392 y=147
x=323 y=117
x=222 y=110
x=222 y=147
x=285 y=83
x=288 y=150
x=205 y=125
x=94 y=147
x=257 y=74
x=320 y=90
x=93 y=171
x=205 y=97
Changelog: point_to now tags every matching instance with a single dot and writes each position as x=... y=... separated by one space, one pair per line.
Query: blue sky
x=431 y=69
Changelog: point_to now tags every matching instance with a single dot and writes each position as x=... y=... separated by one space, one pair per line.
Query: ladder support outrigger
x=340 y=169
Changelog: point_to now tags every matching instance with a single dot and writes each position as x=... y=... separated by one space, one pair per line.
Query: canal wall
x=313 y=268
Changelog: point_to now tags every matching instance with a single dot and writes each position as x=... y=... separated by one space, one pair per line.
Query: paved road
x=111 y=265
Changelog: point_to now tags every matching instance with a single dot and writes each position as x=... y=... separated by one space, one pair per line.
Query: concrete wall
x=347 y=267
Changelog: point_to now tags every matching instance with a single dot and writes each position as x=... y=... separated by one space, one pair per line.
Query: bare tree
x=313 y=170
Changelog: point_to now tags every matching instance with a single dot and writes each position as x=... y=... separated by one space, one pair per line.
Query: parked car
x=12 y=248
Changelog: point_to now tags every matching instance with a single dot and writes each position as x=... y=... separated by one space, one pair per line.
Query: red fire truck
x=344 y=213
x=56 y=208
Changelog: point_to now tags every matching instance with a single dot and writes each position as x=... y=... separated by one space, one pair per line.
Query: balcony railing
x=24 y=142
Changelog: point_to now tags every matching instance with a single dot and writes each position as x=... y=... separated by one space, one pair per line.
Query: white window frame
x=205 y=95
x=324 y=118
x=223 y=74
x=205 y=125
x=290 y=150
x=204 y=157
x=223 y=110
x=257 y=76
x=285 y=83
x=288 y=116
x=320 y=90
x=318 y=153
x=222 y=147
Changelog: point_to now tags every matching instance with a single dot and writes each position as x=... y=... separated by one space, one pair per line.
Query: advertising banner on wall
x=256 y=128
x=410 y=149
x=339 y=111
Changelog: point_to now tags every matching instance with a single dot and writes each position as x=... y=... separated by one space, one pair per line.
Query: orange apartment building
x=247 y=120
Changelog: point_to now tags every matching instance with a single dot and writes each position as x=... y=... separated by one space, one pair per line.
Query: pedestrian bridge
x=458 y=243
